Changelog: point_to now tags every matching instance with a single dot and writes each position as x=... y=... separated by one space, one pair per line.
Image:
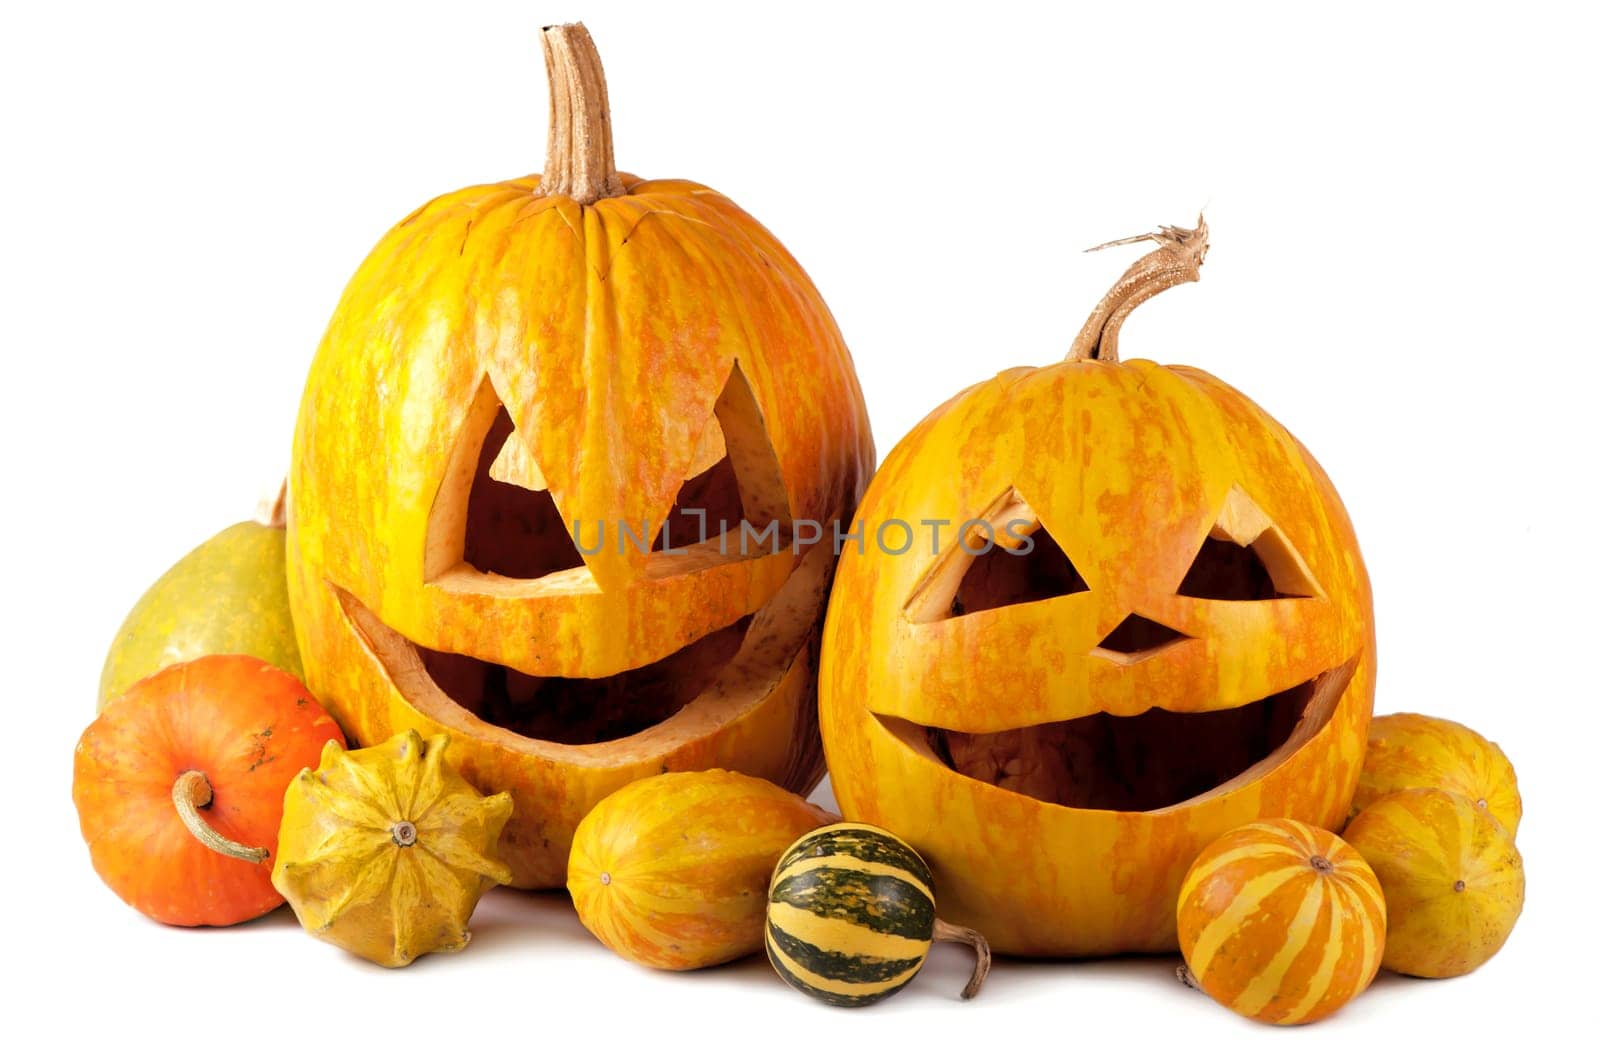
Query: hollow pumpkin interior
x=576 y=711
x=495 y=514
x=1130 y=763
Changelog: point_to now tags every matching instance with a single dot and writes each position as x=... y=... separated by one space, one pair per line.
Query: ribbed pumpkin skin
x=250 y=728
x=608 y=331
x=850 y=914
x=357 y=884
x=672 y=871
x=1271 y=936
x=1422 y=843
x=1128 y=465
x=1406 y=750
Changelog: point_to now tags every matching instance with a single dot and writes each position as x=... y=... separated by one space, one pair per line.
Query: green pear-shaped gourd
x=230 y=595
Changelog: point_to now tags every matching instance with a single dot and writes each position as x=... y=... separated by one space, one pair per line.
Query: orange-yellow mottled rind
x=1128 y=466
x=1406 y=750
x=672 y=871
x=608 y=330
x=1281 y=922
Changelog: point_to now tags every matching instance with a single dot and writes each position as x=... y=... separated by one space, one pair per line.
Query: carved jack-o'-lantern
x=1145 y=621
x=537 y=406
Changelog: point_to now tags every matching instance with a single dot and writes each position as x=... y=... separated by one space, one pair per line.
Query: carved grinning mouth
x=576 y=711
x=694 y=689
x=573 y=711
x=1141 y=763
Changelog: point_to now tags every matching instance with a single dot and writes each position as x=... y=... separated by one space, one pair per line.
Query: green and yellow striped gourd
x=850 y=916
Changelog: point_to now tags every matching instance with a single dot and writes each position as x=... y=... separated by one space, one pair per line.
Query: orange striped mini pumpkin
x=1281 y=921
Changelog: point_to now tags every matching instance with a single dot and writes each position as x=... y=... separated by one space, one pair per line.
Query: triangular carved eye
x=513 y=528
x=494 y=512
x=1006 y=558
x=734 y=477
x=1002 y=578
x=1247 y=558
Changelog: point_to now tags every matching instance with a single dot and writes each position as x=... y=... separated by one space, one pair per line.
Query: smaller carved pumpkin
x=1451 y=874
x=1125 y=613
x=1281 y=922
x=672 y=871
x=179 y=786
x=1406 y=750
x=386 y=851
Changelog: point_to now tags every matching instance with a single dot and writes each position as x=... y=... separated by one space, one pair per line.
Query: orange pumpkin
x=179 y=786
x=533 y=399
x=1281 y=922
x=1123 y=610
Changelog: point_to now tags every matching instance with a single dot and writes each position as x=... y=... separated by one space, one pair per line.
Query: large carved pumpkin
x=1145 y=621
x=587 y=353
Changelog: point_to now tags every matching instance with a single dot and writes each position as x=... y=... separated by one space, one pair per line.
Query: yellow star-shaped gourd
x=386 y=851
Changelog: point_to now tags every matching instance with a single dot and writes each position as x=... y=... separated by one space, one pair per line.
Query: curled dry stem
x=945 y=932
x=1176 y=259
x=273 y=510
x=191 y=792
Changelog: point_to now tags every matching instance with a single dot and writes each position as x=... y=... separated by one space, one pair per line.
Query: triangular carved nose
x=1137 y=638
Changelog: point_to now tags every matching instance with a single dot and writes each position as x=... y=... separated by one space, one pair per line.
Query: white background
x=1402 y=270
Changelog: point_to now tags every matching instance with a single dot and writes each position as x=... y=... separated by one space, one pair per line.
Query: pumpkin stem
x=191 y=792
x=273 y=510
x=943 y=932
x=578 y=162
x=1177 y=259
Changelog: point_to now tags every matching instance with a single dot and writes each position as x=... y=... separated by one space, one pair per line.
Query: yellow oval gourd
x=671 y=871
x=1406 y=750
x=385 y=852
x=1452 y=877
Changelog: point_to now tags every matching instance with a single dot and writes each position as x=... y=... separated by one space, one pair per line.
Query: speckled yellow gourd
x=1451 y=875
x=1406 y=750
x=227 y=596
x=385 y=851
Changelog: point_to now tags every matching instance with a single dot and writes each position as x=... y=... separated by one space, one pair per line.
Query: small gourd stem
x=273 y=512
x=1176 y=259
x=943 y=932
x=579 y=161
x=1186 y=977
x=191 y=792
